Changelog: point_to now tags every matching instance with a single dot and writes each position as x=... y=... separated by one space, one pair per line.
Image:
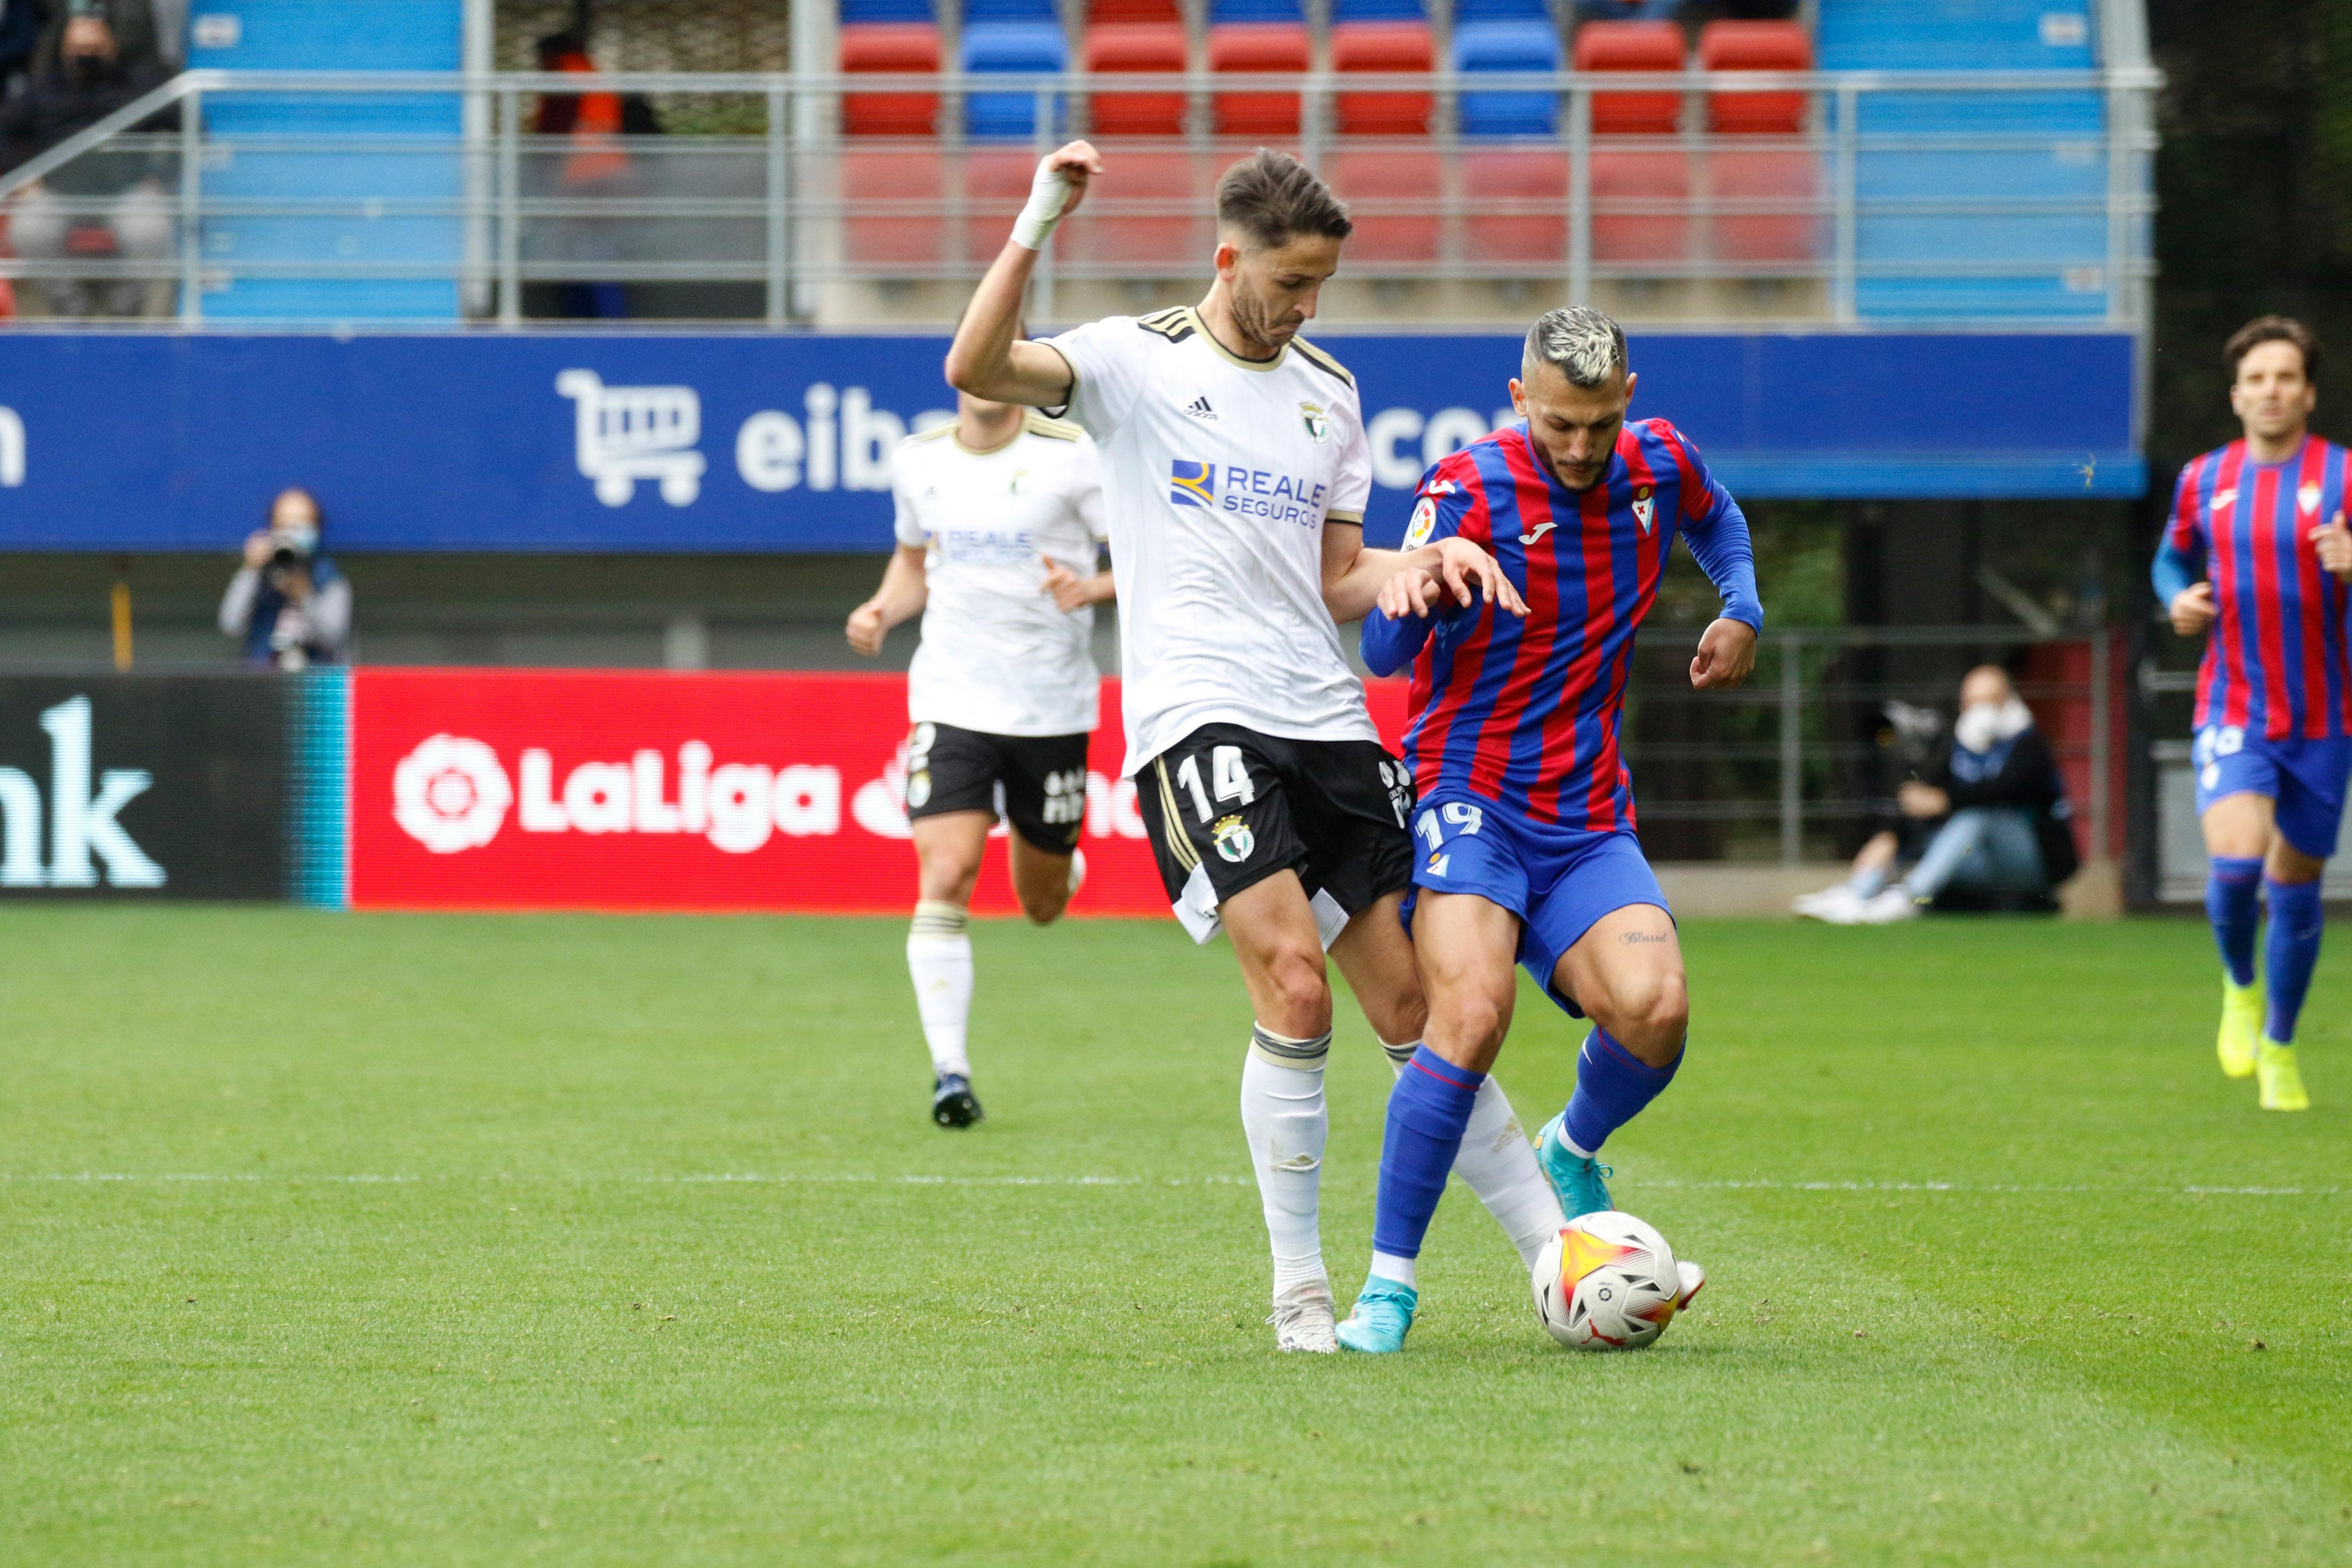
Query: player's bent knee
x=1469 y=1020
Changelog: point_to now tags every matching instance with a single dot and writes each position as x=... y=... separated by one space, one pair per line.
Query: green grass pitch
x=469 y=1240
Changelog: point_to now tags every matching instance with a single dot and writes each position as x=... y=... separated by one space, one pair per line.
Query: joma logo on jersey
x=1193 y=484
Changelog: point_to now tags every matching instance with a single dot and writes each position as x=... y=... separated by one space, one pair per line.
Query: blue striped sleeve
x=1390 y=645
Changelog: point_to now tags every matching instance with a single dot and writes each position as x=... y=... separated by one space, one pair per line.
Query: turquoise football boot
x=1382 y=1317
x=1580 y=1182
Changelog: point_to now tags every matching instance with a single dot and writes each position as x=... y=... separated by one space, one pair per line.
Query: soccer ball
x=1606 y=1282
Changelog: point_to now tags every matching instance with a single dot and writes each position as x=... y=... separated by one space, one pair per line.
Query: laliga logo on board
x=450 y=795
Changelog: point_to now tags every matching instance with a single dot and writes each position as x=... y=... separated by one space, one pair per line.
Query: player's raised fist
x=1059 y=186
x=2335 y=546
x=1727 y=656
x=867 y=628
x=1067 y=589
x=2191 y=610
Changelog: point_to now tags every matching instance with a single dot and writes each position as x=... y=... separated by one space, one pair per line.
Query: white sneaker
x=1077 y=872
x=1838 y=906
x=1303 y=1320
x=1888 y=906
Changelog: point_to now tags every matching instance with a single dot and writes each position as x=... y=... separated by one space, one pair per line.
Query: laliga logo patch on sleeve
x=1423 y=524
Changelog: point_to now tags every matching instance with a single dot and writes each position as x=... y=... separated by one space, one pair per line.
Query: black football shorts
x=1043 y=780
x=1227 y=807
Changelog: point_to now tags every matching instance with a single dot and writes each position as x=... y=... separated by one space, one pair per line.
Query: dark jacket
x=53 y=107
x=2020 y=774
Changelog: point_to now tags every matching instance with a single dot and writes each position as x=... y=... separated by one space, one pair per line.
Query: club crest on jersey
x=1423 y=524
x=1020 y=485
x=2308 y=498
x=1319 y=424
x=1233 y=839
x=1645 y=506
x=1193 y=484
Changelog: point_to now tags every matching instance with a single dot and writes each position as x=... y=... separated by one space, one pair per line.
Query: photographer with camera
x=288 y=604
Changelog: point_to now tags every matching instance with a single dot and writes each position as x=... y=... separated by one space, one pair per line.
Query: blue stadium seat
x=1026 y=47
x=1224 y=11
x=371 y=183
x=1522 y=45
x=1010 y=11
x=1378 y=11
x=2060 y=255
x=854 y=12
x=1500 y=11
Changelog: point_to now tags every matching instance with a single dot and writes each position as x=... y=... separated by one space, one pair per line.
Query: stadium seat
x=1378 y=11
x=1394 y=49
x=1510 y=45
x=1654 y=179
x=1500 y=11
x=1790 y=181
x=1149 y=204
x=1108 y=11
x=1240 y=48
x=1730 y=46
x=1010 y=11
x=1144 y=48
x=1395 y=196
x=901 y=49
x=1025 y=47
x=1632 y=46
x=910 y=190
x=994 y=185
x=863 y=12
x=1529 y=187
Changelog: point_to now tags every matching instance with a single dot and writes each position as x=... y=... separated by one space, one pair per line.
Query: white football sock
x=1389 y=1266
x=1498 y=1164
x=1284 y=1115
x=938 y=957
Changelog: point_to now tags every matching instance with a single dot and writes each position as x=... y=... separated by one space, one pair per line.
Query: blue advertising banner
x=546 y=442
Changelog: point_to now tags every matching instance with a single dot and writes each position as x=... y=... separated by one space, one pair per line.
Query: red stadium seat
x=1729 y=46
x=1658 y=178
x=1395 y=198
x=1103 y=11
x=1517 y=206
x=1632 y=46
x=1146 y=206
x=1153 y=47
x=1789 y=180
x=1394 y=48
x=905 y=49
x=910 y=188
x=1241 y=49
x=995 y=184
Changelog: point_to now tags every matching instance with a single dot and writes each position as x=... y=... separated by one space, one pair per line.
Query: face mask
x=85 y=68
x=1982 y=726
x=301 y=537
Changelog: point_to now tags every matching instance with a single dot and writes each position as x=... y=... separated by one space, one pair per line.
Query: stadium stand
x=343 y=154
x=1156 y=47
x=1011 y=36
x=898 y=48
x=1508 y=43
x=1392 y=49
x=1780 y=175
x=1917 y=201
x=1257 y=37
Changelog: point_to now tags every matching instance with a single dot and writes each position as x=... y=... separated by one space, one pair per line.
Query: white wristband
x=1048 y=193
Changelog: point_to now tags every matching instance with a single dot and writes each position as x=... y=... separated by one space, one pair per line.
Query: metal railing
x=1808 y=753
x=783 y=223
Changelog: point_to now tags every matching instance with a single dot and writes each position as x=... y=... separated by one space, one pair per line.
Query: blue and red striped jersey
x=2275 y=659
x=1524 y=713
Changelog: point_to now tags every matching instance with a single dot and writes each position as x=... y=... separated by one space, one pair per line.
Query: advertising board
x=617 y=790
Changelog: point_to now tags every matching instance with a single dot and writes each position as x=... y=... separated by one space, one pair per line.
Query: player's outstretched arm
x=1353 y=576
x=1390 y=642
x=1719 y=542
x=988 y=358
x=901 y=597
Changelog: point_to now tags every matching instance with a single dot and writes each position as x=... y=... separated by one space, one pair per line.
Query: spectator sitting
x=288 y=603
x=2003 y=834
x=109 y=202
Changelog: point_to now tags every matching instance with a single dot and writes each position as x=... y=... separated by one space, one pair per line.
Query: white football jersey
x=998 y=655
x=1218 y=473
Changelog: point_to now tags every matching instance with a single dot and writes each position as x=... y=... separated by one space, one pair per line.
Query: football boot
x=2242 y=1026
x=1383 y=1317
x=1582 y=1183
x=952 y=1102
x=2280 y=1079
x=1302 y=1319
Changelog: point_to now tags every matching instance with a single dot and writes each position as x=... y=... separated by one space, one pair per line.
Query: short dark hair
x=2274 y=329
x=1274 y=198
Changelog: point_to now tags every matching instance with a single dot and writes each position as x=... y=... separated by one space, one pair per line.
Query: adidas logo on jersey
x=1199 y=408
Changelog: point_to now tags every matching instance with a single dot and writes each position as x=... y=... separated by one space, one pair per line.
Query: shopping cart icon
x=629 y=433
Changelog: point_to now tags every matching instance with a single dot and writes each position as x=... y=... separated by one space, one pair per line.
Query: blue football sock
x=2229 y=888
x=1611 y=1088
x=2290 y=952
x=1428 y=1109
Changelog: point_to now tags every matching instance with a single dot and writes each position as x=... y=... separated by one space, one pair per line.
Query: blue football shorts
x=2304 y=777
x=1559 y=882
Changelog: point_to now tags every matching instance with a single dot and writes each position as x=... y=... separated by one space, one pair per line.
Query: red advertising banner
x=624 y=790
